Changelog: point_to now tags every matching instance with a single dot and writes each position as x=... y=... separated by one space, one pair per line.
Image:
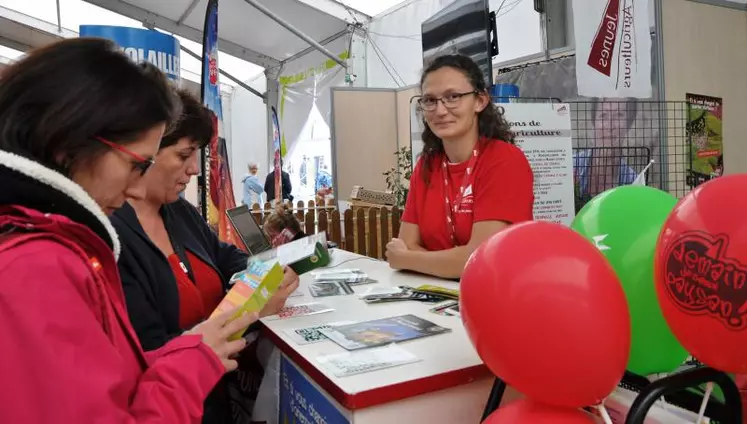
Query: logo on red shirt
x=468 y=198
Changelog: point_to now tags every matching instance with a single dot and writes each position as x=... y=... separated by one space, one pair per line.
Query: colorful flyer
x=251 y=289
x=705 y=131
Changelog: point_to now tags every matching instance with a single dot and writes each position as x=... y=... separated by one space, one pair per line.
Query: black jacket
x=150 y=286
x=148 y=281
x=270 y=186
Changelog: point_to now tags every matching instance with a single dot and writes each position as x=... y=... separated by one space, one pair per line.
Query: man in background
x=252 y=188
x=286 y=185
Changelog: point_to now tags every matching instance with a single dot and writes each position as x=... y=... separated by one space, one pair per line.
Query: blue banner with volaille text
x=142 y=45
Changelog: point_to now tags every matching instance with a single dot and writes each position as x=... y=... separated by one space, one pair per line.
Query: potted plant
x=398 y=179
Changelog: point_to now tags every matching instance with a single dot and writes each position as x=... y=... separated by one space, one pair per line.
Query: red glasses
x=142 y=164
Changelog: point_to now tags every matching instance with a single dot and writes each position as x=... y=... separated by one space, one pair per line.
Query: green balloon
x=624 y=223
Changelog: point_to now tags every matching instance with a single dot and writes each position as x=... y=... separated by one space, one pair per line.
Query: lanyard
x=452 y=206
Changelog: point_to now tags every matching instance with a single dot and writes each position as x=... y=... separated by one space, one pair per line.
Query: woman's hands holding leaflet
x=216 y=331
x=287 y=287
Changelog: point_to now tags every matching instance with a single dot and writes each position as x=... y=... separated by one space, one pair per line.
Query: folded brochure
x=251 y=289
x=302 y=255
x=380 y=332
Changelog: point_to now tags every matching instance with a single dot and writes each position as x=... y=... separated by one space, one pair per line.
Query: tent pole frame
x=270 y=14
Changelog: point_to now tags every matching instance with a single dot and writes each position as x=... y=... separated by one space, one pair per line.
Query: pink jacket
x=68 y=352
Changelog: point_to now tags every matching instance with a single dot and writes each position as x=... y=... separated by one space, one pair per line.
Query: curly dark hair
x=490 y=121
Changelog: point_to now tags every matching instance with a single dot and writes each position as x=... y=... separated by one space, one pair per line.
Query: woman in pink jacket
x=79 y=126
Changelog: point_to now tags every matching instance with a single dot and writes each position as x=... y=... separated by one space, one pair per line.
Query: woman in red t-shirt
x=470 y=181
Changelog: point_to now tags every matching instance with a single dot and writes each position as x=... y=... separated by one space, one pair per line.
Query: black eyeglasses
x=142 y=164
x=450 y=101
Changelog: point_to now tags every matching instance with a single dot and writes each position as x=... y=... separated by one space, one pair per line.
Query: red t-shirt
x=199 y=299
x=502 y=190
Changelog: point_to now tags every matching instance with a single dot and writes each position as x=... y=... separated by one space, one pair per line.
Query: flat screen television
x=466 y=27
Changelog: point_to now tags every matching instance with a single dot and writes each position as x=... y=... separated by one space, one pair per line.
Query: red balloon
x=701 y=276
x=526 y=411
x=547 y=314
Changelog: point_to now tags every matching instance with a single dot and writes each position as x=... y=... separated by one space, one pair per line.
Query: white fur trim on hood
x=63 y=184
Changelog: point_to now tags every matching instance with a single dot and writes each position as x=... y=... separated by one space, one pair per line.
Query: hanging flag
x=613 y=48
x=276 y=146
x=218 y=191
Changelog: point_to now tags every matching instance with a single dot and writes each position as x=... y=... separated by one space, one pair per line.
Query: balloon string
x=706 y=397
x=605 y=415
x=651 y=162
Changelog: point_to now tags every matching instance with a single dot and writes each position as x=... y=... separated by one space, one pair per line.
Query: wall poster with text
x=543 y=132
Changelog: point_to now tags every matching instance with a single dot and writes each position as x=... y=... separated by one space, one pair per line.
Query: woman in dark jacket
x=175 y=270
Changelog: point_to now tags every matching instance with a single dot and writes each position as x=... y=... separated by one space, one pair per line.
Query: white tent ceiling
x=244 y=31
x=22 y=32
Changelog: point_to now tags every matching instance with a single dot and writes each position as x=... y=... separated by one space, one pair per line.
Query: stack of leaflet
x=336 y=282
x=351 y=276
x=427 y=294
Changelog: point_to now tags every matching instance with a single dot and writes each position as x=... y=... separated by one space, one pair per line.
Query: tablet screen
x=254 y=238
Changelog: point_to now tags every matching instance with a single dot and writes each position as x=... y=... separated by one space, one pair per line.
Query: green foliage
x=398 y=179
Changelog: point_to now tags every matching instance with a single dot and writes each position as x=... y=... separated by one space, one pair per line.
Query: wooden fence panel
x=384 y=223
x=349 y=231
x=373 y=231
x=322 y=222
x=257 y=214
x=365 y=231
x=395 y=221
x=335 y=230
x=309 y=223
x=300 y=207
x=360 y=226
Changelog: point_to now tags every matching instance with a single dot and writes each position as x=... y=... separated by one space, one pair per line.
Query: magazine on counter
x=381 y=332
x=351 y=363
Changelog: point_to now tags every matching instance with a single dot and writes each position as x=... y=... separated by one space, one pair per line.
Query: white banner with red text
x=613 y=48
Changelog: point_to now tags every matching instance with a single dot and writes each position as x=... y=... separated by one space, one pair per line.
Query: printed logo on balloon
x=701 y=279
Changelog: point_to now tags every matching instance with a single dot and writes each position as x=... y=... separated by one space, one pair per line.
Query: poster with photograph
x=614 y=139
x=704 y=128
